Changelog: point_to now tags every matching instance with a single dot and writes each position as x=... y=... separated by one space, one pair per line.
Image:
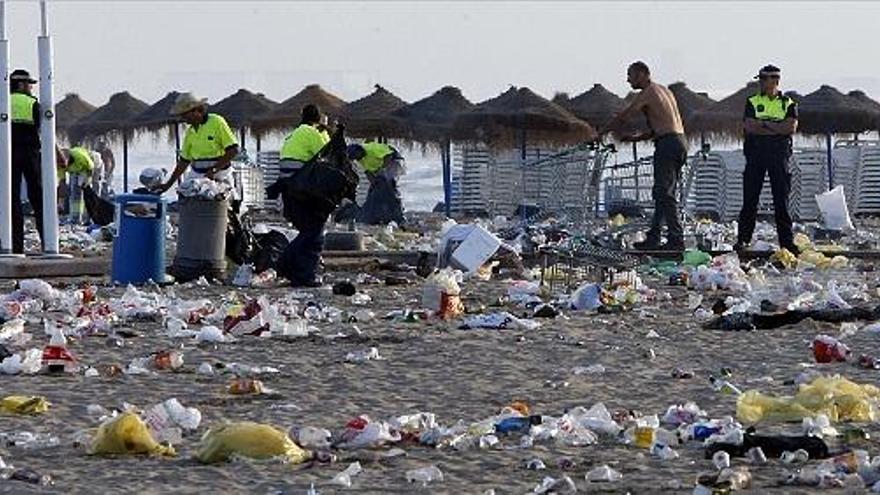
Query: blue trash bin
x=139 y=245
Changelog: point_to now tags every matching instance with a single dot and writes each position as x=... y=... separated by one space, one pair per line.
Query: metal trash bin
x=201 y=239
x=139 y=244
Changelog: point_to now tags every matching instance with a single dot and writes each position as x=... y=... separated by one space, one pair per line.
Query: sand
x=434 y=367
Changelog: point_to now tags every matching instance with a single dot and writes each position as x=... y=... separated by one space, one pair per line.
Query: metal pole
x=125 y=161
x=830 y=167
x=446 y=159
x=243 y=139
x=636 y=169
x=47 y=138
x=176 y=141
x=6 y=198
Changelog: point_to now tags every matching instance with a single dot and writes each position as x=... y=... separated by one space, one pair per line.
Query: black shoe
x=739 y=247
x=310 y=284
x=793 y=249
x=647 y=245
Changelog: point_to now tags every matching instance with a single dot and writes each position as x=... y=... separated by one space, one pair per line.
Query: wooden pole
x=125 y=162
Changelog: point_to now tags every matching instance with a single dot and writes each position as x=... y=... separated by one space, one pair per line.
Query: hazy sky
x=413 y=48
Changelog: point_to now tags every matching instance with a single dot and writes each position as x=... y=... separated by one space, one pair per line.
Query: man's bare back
x=659 y=106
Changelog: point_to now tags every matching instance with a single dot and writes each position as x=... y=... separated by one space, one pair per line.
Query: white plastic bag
x=832 y=206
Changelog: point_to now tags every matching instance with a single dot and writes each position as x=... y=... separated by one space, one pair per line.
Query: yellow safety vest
x=303 y=143
x=22 y=108
x=767 y=108
x=80 y=161
x=374 y=159
x=207 y=141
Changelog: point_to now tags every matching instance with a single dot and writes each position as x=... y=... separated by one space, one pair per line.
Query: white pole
x=47 y=138
x=6 y=198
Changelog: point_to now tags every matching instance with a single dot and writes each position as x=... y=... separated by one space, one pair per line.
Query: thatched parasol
x=69 y=110
x=724 y=117
x=112 y=119
x=158 y=115
x=865 y=100
x=519 y=116
x=689 y=102
x=597 y=105
x=287 y=113
x=828 y=111
x=370 y=116
x=430 y=120
x=242 y=108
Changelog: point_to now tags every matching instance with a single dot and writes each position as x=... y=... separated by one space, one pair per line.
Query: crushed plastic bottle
x=424 y=475
x=756 y=456
x=721 y=460
x=312 y=438
x=663 y=452
x=344 y=478
x=603 y=474
x=362 y=356
x=210 y=333
x=799 y=456
x=553 y=485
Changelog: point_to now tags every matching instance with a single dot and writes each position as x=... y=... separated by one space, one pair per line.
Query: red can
x=827 y=349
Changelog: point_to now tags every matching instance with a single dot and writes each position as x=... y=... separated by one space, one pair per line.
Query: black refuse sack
x=347 y=212
x=239 y=239
x=268 y=249
x=773 y=446
x=383 y=203
x=100 y=210
x=322 y=183
x=757 y=321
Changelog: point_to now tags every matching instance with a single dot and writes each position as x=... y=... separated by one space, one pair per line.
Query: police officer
x=769 y=121
x=300 y=261
x=25 y=154
x=383 y=165
x=209 y=145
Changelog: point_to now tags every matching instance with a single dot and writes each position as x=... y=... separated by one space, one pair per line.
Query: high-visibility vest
x=303 y=143
x=374 y=156
x=22 y=108
x=767 y=108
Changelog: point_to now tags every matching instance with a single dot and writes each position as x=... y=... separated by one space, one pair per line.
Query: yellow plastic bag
x=785 y=257
x=836 y=397
x=802 y=242
x=245 y=438
x=127 y=434
x=22 y=404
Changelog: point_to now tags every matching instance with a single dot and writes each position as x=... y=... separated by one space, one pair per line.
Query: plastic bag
x=837 y=398
x=695 y=257
x=586 y=297
x=127 y=434
x=245 y=438
x=832 y=207
x=22 y=404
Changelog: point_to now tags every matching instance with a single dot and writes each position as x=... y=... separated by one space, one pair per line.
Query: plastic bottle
x=721 y=459
x=724 y=386
x=56 y=357
x=424 y=475
x=517 y=424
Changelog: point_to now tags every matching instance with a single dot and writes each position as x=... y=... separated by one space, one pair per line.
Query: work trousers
x=760 y=163
x=670 y=155
x=25 y=164
x=301 y=259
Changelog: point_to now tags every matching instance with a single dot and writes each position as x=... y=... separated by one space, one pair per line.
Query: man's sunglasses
x=764 y=78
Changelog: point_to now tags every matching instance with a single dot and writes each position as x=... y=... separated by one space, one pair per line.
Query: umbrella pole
x=830 y=167
x=176 y=140
x=522 y=157
x=125 y=162
x=243 y=134
x=259 y=143
x=445 y=158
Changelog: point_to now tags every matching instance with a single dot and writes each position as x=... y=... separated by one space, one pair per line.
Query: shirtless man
x=670 y=153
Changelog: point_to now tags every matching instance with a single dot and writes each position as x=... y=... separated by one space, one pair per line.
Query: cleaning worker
x=300 y=261
x=209 y=145
x=25 y=154
x=78 y=168
x=383 y=166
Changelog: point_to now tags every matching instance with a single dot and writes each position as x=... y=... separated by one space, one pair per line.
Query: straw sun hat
x=186 y=102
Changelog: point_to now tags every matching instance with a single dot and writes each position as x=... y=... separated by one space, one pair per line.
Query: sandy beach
x=431 y=367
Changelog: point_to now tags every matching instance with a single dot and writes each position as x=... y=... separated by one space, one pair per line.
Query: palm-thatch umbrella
x=287 y=113
x=241 y=108
x=689 y=102
x=518 y=116
x=430 y=120
x=69 y=110
x=158 y=116
x=112 y=119
x=370 y=116
x=827 y=111
x=724 y=117
x=597 y=105
x=865 y=100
